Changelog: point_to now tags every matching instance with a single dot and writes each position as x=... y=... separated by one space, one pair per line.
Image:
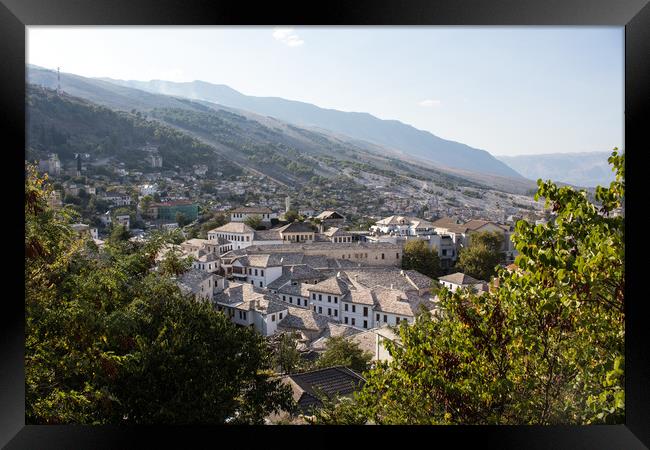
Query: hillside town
x=285 y=266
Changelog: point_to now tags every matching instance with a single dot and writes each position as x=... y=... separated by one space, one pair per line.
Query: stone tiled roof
x=460 y=279
x=247 y=297
x=233 y=227
x=296 y=227
x=360 y=296
x=330 y=381
x=267 y=235
x=304 y=319
x=325 y=215
x=335 y=232
x=192 y=279
x=400 y=303
x=251 y=210
x=333 y=285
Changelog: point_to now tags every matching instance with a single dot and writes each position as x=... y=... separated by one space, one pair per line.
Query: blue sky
x=507 y=90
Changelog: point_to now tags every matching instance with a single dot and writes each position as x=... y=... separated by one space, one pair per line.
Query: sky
x=507 y=90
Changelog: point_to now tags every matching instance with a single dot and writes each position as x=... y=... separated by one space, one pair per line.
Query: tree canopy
x=342 y=352
x=544 y=347
x=480 y=259
x=418 y=256
x=108 y=340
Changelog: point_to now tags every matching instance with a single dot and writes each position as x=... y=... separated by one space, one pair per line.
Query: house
x=459 y=280
x=206 y=261
x=249 y=306
x=331 y=381
x=338 y=235
x=330 y=219
x=243 y=213
x=117 y=199
x=299 y=232
x=148 y=189
x=124 y=220
x=237 y=233
x=403 y=226
x=200 y=283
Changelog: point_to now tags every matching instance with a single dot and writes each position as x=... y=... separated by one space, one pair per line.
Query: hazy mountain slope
x=580 y=169
x=326 y=151
x=388 y=133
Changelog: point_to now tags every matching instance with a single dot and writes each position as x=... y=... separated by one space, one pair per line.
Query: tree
x=253 y=221
x=544 y=347
x=145 y=204
x=108 y=340
x=342 y=352
x=119 y=233
x=181 y=219
x=291 y=216
x=418 y=256
x=286 y=355
x=480 y=259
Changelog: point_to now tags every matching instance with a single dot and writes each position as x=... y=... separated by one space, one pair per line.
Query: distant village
x=280 y=264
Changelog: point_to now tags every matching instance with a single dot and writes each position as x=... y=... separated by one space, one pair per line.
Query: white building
x=243 y=213
x=249 y=306
x=200 y=283
x=148 y=189
x=459 y=280
x=239 y=234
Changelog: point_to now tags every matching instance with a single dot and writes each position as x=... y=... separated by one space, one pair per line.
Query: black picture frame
x=634 y=15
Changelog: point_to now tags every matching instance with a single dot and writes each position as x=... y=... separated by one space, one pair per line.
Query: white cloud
x=287 y=36
x=430 y=103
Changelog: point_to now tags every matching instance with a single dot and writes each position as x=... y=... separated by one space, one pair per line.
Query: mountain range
x=118 y=96
x=588 y=169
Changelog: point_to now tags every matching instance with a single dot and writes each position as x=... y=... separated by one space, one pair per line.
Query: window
x=313 y=296
x=353 y=321
x=272 y=317
x=320 y=297
x=345 y=319
x=365 y=324
x=385 y=319
x=280 y=316
x=255 y=272
x=336 y=313
x=396 y=255
x=262 y=273
x=382 y=256
x=244 y=315
x=329 y=299
x=377 y=317
x=444 y=252
x=250 y=271
x=320 y=310
x=365 y=311
x=336 y=300
x=354 y=308
x=261 y=285
x=314 y=308
x=252 y=282
x=284 y=298
x=345 y=307
x=329 y=311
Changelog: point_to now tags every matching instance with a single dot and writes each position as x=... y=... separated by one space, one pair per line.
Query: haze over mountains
x=587 y=169
x=359 y=130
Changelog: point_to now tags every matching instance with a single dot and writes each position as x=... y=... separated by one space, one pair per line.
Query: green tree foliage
x=108 y=340
x=119 y=233
x=291 y=216
x=181 y=219
x=418 y=256
x=342 y=352
x=545 y=347
x=480 y=259
x=285 y=354
x=254 y=221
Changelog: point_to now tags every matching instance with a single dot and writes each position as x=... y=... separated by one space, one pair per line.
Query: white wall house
x=459 y=280
x=239 y=234
x=242 y=214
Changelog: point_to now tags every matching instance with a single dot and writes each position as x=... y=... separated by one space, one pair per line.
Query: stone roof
x=192 y=279
x=336 y=232
x=267 y=235
x=333 y=330
x=360 y=296
x=330 y=381
x=304 y=319
x=333 y=285
x=407 y=280
x=400 y=303
x=325 y=215
x=251 y=210
x=460 y=279
x=247 y=297
x=296 y=227
x=233 y=227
